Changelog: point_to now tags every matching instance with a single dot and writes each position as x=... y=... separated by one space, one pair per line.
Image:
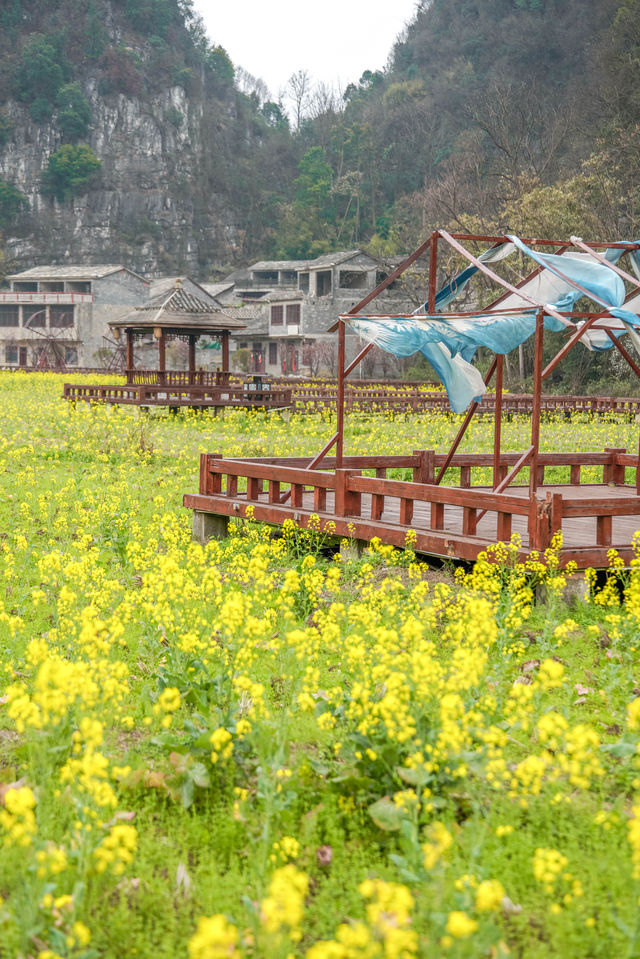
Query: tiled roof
x=71 y=272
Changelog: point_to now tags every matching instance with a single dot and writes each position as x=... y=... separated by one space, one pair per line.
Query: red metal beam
x=465 y=424
x=618 y=345
x=537 y=399
x=498 y=279
x=497 y=421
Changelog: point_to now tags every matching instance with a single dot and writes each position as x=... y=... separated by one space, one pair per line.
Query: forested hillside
x=126 y=133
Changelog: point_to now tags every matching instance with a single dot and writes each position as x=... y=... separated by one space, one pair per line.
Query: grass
x=257 y=749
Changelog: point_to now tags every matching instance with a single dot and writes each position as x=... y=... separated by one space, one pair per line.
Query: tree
x=39 y=74
x=298 y=92
x=70 y=171
x=12 y=202
x=74 y=112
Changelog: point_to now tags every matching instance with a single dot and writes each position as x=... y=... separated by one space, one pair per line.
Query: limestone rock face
x=163 y=199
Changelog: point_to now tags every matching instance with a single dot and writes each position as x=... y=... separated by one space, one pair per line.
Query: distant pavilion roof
x=178 y=311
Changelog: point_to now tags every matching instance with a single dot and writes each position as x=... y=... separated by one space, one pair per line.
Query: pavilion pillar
x=129 y=361
x=340 y=398
x=225 y=351
x=497 y=421
x=162 y=357
x=192 y=359
x=537 y=402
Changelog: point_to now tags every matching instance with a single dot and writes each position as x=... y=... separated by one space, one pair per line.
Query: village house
x=295 y=303
x=57 y=316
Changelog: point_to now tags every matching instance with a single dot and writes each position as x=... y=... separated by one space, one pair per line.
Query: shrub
x=39 y=73
x=70 y=171
x=12 y=202
x=74 y=112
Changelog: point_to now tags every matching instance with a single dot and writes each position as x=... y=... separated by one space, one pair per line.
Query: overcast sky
x=334 y=40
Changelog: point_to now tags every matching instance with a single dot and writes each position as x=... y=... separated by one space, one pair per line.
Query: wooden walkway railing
x=176 y=396
x=457 y=521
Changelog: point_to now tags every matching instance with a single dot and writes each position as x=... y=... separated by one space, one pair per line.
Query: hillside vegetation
x=520 y=114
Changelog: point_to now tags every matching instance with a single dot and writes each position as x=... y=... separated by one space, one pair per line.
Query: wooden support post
x=406 y=511
x=225 y=351
x=537 y=395
x=469 y=521
x=340 y=396
x=497 y=421
x=437 y=516
x=162 y=357
x=210 y=483
x=421 y=468
x=347 y=503
x=613 y=471
x=129 y=358
x=377 y=505
x=504 y=527
x=603 y=530
x=319 y=499
x=192 y=359
x=274 y=491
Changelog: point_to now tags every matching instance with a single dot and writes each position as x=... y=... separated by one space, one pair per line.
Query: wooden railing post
x=613 y=471
x=210 y=483
x=347 y=502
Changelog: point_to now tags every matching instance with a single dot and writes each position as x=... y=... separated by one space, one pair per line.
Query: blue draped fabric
x=449 y=343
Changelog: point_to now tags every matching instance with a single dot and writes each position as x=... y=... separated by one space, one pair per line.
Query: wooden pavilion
x=184 y=316
x=457 y=520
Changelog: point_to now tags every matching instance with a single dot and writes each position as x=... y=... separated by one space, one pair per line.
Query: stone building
x=294 y=304
x=57 y=316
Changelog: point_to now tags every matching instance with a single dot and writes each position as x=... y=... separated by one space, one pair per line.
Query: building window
x=323 y=283
x=352 y=280
x=24 y=286
x=11 y=354
x=303 y=282
x=273 y=354
x=60 y=317
x=32 y=317
x=52 y=286
x=293 y=314
x=78 y=286
x=9 y=315
x=277 y=315
x=70 y=356
x=243 y=346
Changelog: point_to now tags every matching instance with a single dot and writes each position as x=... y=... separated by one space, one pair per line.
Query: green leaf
x=386 y=815
x=414 y=777
x=200 y=776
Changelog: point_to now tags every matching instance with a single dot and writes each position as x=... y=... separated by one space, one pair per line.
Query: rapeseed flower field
x=259 y=748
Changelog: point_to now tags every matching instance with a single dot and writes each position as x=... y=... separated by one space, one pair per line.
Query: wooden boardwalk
x=451 y=522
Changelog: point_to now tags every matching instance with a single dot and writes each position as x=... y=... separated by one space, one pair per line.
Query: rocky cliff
x=172 y=139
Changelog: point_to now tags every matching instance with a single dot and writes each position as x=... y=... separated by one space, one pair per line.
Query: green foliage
x=313 y=185
x=39 y=73
x=12 y=202
x=274 y=115
x=175 y=117
x=70 y=171
x=151 y=16
x=74 y=112
x=6 y=128
x=220 y=65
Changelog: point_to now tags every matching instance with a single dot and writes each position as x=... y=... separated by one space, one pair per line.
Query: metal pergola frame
x=453 y=240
